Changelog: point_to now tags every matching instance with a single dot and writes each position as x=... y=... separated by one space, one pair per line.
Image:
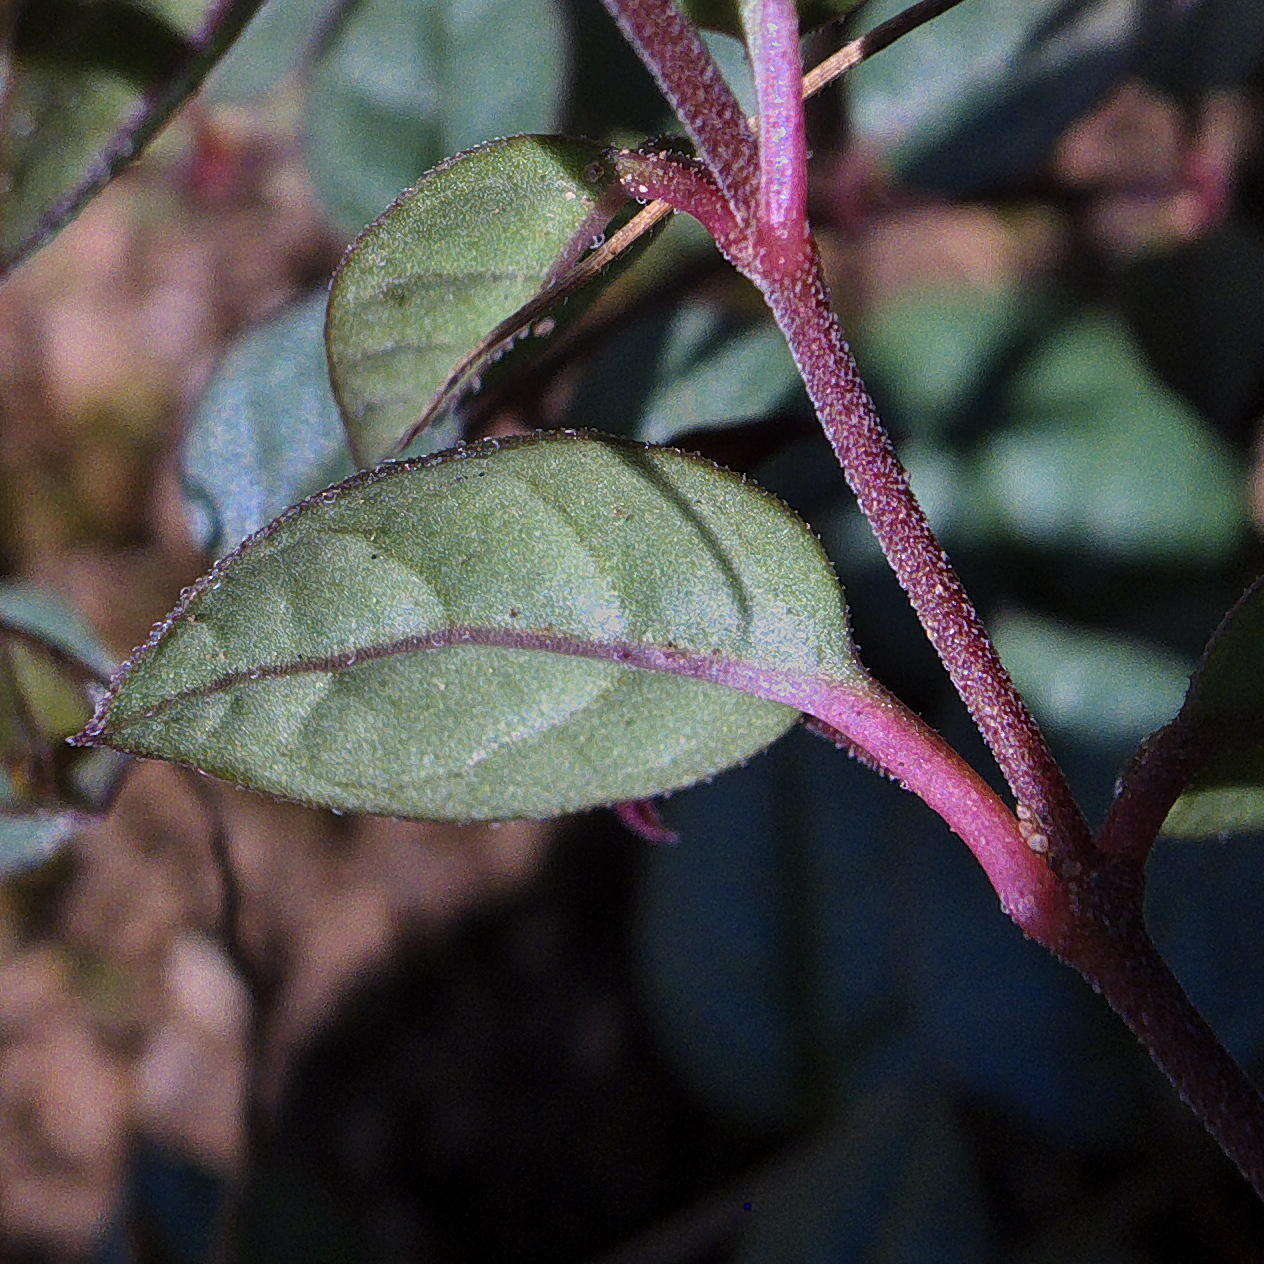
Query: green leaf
x=49 y=663
x=1037 y=421
x=269 y=48
x=425 y=283
x=693 y=368
x=267 y=432
x=928 y=350
x=1088 y=683
x=1089 y=460
x=725 y=15
x=404 y=85
x=449 y=638
x=1226 y=703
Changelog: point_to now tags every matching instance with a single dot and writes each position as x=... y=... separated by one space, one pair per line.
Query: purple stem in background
x=641 y=816
x=224 y=21
x=672 y=49
x=781 y=226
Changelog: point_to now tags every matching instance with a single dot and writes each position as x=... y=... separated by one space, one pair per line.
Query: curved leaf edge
x=805 y=694
x=1169 y=761
x=500 y=339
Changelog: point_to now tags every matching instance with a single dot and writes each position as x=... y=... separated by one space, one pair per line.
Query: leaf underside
x=368 y=651
x=457 y=254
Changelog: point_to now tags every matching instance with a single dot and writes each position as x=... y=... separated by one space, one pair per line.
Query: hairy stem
x=673 y=51
x=1129 y=972
x=772 y=35
x=1152 y=783
x=802 y=309
x=1085 y=904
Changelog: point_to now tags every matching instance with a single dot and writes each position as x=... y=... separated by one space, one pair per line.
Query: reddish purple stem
x=671 y=47
x=682 y=182
x=642 y=817
x=772 y=35
x=1153 y=781
x=801 y=306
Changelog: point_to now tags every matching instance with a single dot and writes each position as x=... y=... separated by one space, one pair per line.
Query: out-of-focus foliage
x=267 y=431
x=698 y=369
x=978 y=97
x=1226 y=702
x=406 y=85
x=73 y=73
x=86 y=85
x=48 y=662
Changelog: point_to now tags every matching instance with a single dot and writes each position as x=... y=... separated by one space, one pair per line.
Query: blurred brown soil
x=119 y=1012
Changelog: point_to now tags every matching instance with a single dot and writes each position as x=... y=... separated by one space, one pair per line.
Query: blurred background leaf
x=406 y=85
x=267 y=432
x=49 y=663
x=976 y=99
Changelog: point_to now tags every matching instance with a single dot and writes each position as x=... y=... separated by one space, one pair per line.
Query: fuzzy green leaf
x=450 y=637
x=453 y=257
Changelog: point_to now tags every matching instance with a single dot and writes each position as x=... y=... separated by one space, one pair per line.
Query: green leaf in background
x=88 y=84
x=1088 y=683
x=1037 y=421
x=929 y=350
x=977 y=97
x=49 y=661
x=267 y=432
x=399 y=644
x=1226 y=701
x=269 y=48
x=404 y=85
x=693 y=368
x=1100 y=457
x=424 y=284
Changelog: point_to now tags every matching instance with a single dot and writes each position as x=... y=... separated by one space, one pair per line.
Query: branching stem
x=1085 y=904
